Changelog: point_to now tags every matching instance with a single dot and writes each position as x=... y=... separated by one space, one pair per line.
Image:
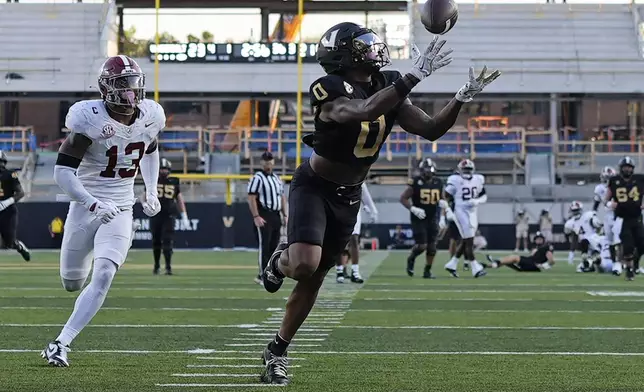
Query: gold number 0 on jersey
x=622 y=194
x=369 y=127
x=319 y=92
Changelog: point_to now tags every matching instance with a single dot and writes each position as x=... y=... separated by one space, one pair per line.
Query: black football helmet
x=166 y=167
x=351 y=46
x=539 y=236
x=3 y=159
x=626 y=167
x=427 y=167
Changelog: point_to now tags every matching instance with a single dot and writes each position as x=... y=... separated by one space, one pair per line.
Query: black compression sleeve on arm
x=68 y=160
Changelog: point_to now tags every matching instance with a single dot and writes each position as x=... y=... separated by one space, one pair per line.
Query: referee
x=266 y=199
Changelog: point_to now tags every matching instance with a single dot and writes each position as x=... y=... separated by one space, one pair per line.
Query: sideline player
x=609 y=216
x=353 y=248
x=356 y=105
x=467 y=190
x=110 y=140
x=540 y=259
x=162 y=224
x=624 y=196
x=10 y=193
x=421 y=198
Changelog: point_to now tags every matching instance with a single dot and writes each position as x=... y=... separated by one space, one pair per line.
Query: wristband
x=404 y=85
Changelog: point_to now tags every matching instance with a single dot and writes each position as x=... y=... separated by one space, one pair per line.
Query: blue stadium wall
x=215 y=225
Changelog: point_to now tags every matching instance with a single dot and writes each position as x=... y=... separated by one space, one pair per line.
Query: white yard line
x=256 y=366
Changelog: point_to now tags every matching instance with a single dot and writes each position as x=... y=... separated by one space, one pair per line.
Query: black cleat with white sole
x=272 y=282
x=275 y=368
x=56 y=354
x=452 y=272
x=23 y=250
x=410 y=266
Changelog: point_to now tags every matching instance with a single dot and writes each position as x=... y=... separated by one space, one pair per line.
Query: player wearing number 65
x=110 y=140
x=356 y=104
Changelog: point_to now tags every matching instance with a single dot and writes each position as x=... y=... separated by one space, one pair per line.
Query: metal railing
x=16 y=139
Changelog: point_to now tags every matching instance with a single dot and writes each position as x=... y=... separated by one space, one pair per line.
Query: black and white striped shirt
x=269 y=190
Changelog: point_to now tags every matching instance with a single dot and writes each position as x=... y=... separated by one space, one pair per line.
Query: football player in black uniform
x=624 y=195
x=162 y=224
x=10 y=193
x=425 y=192
x=356 y=105
x=542 y=258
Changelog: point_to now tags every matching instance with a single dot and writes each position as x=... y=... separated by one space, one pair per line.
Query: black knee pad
x=431 y=249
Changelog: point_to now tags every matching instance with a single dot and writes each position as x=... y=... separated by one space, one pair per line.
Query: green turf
x=505 y=332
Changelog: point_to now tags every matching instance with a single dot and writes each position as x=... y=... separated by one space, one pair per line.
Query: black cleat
x=427 y=274
x=168 y=272
x=466 y=266
x=275 y=368
x=272 y=282
x=155 y=271
x=356 y=278
x=481 y=273
x=630 y=274
x=410 y=266
x=452 y=272
x=23 y=250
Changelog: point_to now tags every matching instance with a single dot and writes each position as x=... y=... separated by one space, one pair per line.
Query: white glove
x=151 y=205
x=571 y=257
x=419 y=212
x=441 y=223
x=611 y=205
x=6 y=203
x=184 y=220
x=449 y=215
x=475 y=85
x=473 y=203
x=104 y=211
x=429 y=61
x=544 y=266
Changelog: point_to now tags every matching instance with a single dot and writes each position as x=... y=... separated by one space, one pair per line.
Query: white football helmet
x=466 y=168
x=607 y=173
x=576 y=208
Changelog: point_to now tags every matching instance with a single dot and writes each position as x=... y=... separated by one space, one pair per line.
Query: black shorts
x=453 y=232
x=632 y=235
x=162 y=229
x=8 y=227
x=321 y=213
x=527 y=264
x=425 y=231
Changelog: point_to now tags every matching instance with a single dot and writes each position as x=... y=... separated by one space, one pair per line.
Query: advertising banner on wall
x=216 y=225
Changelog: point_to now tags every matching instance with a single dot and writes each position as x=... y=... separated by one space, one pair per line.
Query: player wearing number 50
x=109 y=140
x=356 y=105
x=162 y=224
x=425 y=192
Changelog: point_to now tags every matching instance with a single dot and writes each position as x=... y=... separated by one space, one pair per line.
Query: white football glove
x=104 y=211
x=184 y=220
x=442 y=224
x=151 y=205
x=611 y=205
x=429 y=61
x=419 y=212
x=449 y=215
x=476 y=84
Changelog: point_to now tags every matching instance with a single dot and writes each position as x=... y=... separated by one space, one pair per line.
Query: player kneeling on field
x=541 y=259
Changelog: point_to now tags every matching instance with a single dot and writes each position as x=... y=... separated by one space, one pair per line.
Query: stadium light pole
x=298 y=115
x=157 y=6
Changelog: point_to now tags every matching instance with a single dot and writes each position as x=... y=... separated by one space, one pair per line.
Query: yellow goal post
x=228 y=178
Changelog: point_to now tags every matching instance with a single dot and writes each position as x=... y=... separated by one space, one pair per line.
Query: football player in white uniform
x=353 y=247
x=467 y=190
x=110 y=140
x=609 y=216
x=583 y=228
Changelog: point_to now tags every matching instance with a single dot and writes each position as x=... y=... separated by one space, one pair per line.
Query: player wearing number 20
x=356 y=104
x=467 y=190
x=110 y=140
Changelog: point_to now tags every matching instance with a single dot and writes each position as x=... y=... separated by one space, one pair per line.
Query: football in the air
x=439 y=16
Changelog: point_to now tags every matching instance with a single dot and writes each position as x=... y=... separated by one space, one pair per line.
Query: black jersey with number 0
x=628 y=195
x=426 y=195
x=168 y=189
x=9 y=185
x=539 y=255
x=356 y=142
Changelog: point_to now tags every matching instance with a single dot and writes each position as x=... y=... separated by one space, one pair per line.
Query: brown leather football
x=439 y=16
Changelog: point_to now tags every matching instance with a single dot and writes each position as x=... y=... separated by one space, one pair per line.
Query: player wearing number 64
x=110 y=139
x=356 y=105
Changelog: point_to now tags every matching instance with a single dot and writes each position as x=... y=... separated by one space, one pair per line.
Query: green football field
x=204 y=328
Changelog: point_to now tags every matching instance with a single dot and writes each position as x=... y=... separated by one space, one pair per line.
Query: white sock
x=617 y=267
x=339 y=269
x=89 y=301
x=355 y=268
x=475 y=267
x=452 y=264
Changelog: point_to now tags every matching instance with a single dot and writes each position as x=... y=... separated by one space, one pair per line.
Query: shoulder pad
x=453 y=178
x=14 y=174
x=411 y=181
x=481 y=178
x=598 y=188
x=328 y=88
x=78 y=119
x=152 y=111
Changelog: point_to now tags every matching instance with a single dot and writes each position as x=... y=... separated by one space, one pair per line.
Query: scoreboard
x=245 y=52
